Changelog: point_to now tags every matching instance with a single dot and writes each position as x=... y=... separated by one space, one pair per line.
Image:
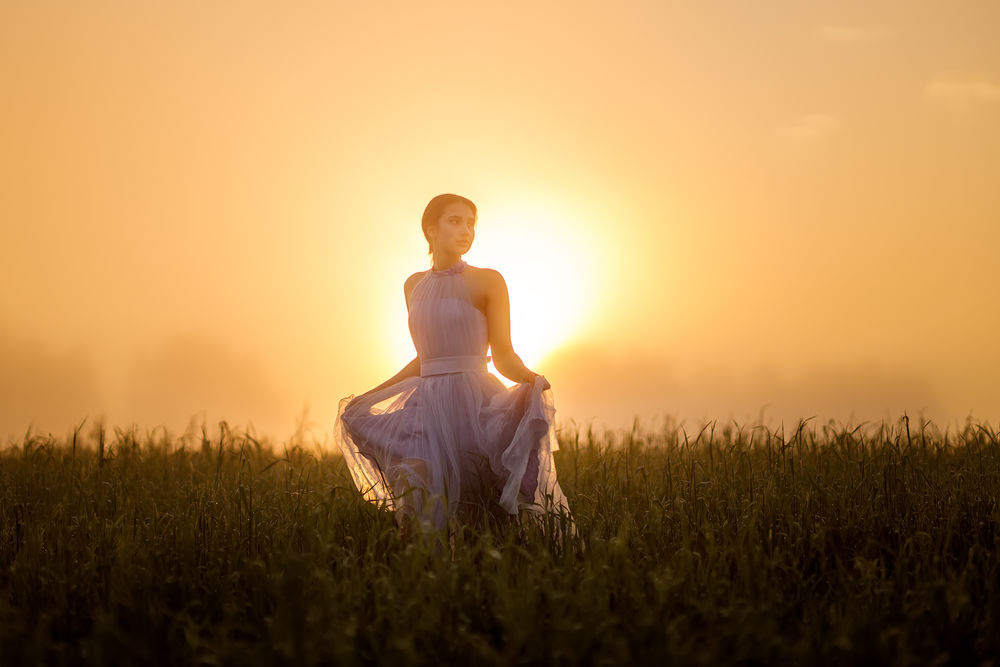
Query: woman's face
x=456 y=229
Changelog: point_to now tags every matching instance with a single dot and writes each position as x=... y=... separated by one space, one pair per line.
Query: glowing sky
x=702 y=209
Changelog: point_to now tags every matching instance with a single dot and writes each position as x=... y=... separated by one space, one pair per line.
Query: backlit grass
x=720 y=544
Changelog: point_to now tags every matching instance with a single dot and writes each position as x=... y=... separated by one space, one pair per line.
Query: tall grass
x=723 y=544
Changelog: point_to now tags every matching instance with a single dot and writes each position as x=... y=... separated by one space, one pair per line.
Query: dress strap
x=472 y=363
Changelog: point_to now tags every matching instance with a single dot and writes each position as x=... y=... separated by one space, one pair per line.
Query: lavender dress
x=455 y=436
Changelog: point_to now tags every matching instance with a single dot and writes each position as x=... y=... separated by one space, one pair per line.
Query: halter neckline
x=452 y=270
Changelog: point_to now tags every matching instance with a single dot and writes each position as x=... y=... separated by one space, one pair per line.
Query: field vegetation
x=718 y=544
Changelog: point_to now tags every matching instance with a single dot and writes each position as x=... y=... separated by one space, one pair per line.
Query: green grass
x=725 y=545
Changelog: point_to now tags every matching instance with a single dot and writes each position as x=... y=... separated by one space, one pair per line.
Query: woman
x=443 y=437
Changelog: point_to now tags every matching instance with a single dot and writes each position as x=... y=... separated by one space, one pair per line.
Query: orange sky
x=706 y=210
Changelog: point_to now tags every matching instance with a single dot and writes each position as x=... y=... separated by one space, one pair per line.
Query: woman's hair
x=433 y=213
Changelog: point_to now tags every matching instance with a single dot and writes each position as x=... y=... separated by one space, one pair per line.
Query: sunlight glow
x=540 y=252
x=544 y=254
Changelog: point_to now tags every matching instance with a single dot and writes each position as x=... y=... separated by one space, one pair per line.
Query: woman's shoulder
x=486 y=284
x=411 y=282
x=415 y=278
x=483 y=274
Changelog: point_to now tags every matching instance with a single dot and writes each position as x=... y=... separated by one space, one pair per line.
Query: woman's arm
x=498 y=324
x=409 y=370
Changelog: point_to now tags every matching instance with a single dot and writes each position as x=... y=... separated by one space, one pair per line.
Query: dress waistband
x=472 y=363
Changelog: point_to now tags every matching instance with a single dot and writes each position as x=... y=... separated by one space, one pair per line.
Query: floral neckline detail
x=452 y=270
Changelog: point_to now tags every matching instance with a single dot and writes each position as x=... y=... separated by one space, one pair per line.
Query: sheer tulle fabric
x=454 y=438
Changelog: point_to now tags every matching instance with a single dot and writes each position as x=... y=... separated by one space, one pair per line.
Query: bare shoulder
x=487 y=287
x=414 y=279
x=411 y=282
x=487 y=278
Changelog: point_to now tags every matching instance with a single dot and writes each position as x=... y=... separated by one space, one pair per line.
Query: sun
x=542 y=257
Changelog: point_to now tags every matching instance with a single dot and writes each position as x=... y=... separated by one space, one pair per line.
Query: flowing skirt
x=437 y=445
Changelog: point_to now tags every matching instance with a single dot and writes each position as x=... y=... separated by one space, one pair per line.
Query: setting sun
x=544 y=259
x=544 y=253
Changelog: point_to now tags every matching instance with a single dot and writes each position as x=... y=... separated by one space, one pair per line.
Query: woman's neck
x=443 y=261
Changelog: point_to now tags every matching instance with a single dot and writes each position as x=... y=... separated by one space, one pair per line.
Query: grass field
x=717 y=545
